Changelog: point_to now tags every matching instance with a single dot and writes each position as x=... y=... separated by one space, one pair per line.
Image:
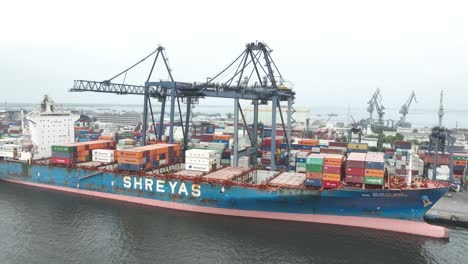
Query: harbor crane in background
x=405 y=109
x=375 y=103
x=252 y=76
x=441 y=108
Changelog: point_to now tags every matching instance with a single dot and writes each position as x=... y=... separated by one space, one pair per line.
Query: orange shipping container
x=134 y=161
x=459 y=162
x=374 y=173
x=314 y=175
x=331 y=177
x=131 y=154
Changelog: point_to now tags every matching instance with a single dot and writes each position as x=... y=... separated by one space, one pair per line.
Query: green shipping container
x=460 y=157
x=63 y=148
x=300 y=164
x=314 y=168
x=373 y=180
x=315 y=161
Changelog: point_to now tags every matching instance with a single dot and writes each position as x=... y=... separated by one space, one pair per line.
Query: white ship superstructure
x=49 y=126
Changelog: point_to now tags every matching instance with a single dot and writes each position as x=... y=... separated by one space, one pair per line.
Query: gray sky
x=335 y=52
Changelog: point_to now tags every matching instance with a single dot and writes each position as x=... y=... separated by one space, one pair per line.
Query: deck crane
x=405 y=109
x=254 y=61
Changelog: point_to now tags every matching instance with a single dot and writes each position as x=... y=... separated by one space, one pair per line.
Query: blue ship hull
x=209 y=197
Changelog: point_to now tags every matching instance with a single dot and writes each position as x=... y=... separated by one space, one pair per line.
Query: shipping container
x=374 y=180
x=374 y=173
x=330 y=184
x=313 y=182
x=354 y=179
x=331 y=177
x=332 y=169
x=355 y=171
x=314 y=175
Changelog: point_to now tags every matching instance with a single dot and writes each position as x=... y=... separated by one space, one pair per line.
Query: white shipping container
x=302 y=155
x=103 y=159
x=315 y=150
x=7 y=154
x=198 y=167
x=103 y=152
x=300 y=169
x=200 y=161
x=200 y=153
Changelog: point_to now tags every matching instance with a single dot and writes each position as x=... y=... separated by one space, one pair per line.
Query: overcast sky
x=334 y=52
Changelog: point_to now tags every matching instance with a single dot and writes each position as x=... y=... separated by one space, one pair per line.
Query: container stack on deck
x=355 y=168
x=332 y=170
x=301 y=161
x=459 y=165
x=200 y=160
x=375 y=169
x=145 y=158
x=227 y=173
x=103 y=155
x=288 y=179
x=126 y=143
x=266 y=149
x=73 y=153
x=314 y=170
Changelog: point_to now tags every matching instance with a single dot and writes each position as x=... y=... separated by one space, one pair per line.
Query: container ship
x=322 y=182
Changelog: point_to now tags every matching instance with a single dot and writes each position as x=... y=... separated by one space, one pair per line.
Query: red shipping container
x=331 y=151
x=330 y=184
x=61 y=161
x=332 y=169
x=355 y=171
x=337 y=144
x=354 y=179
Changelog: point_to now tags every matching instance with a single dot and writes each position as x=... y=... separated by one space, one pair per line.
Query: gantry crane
x=405 y=109
x=255 y=61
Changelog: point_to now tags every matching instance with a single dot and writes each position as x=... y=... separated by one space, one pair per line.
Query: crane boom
x=404 y=110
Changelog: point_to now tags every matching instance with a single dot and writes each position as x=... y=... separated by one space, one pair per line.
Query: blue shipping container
x=313 y=183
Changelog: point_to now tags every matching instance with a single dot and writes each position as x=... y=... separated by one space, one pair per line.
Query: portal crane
x=405 y=109
x=375 y=103
x=441 y=108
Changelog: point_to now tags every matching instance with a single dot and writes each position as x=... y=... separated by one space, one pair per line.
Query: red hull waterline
x=394 y=225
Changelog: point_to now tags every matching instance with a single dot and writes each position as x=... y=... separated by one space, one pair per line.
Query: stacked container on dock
x=288 y=180
x=126 y=143
x=148 y=157
x=355 y=168
x=200 y=160
x=375 y=169
x=224 y=139
x=358 y=147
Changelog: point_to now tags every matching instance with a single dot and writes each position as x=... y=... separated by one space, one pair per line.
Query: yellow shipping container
x=331 y=177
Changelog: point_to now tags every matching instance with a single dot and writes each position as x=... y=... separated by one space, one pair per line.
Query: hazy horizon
x=334 y=52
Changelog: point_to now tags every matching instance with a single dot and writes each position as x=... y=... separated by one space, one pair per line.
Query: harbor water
x=43 y=226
